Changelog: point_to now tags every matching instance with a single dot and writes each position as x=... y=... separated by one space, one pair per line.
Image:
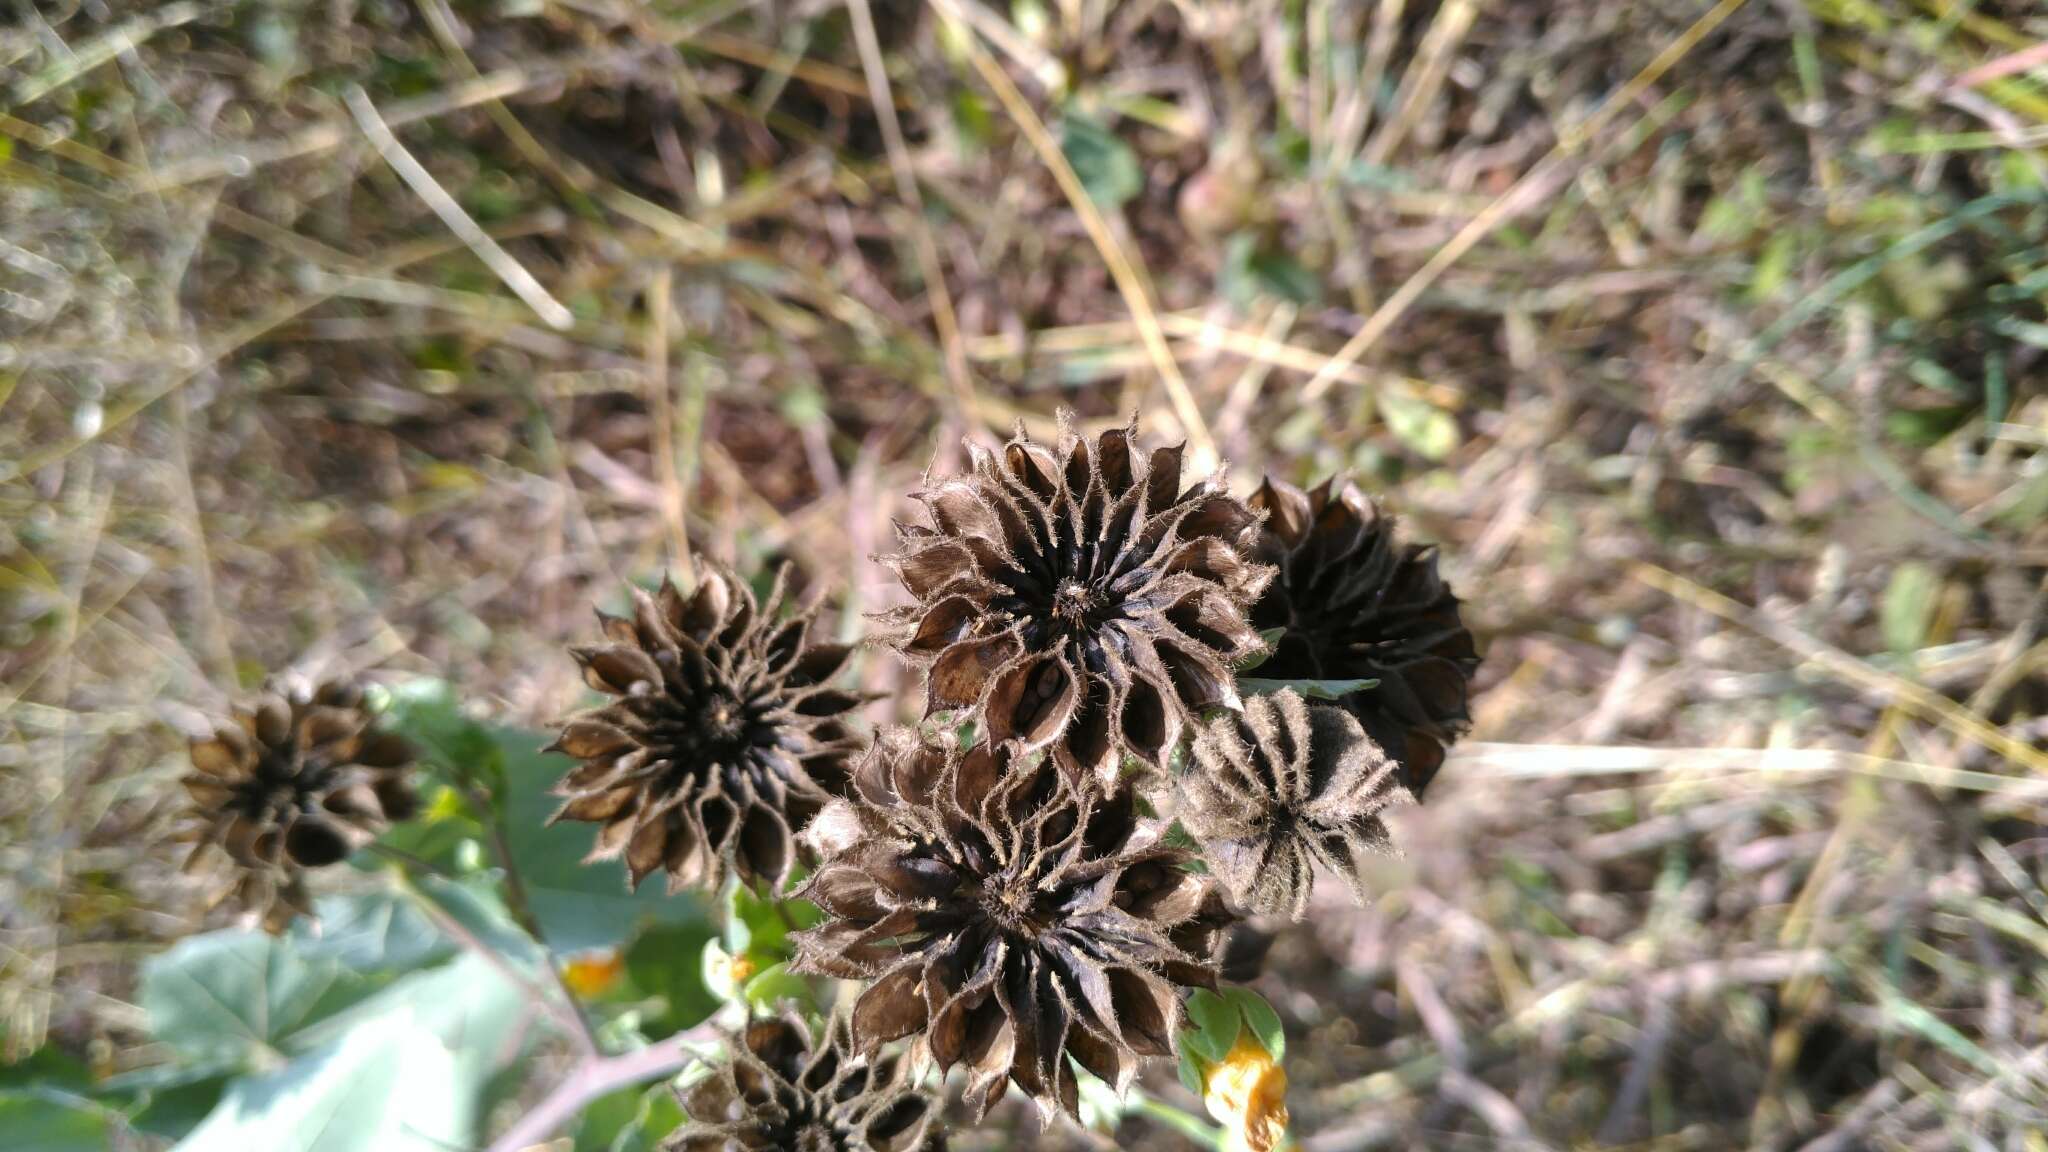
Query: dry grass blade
x=499 y=261
x=1913 y=697
x=1540 y=182
x=944 y=318
x=660 y=310
x=1129 y=283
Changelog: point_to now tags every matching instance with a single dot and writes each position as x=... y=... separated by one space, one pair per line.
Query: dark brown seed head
x=781 y=1092
x=1076 y=598
x=723 y=737
x=1008 y=916
x=298 y=780
x=1356 y=605
x=1280 y=788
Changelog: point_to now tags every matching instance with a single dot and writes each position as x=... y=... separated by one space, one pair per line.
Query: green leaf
x=387 y=1087
x=774 y=984
x=664 y=961
x=1214 y=1023
x=143 y=1085
x=1773 y=266
x=47 y=1067
x=238 y=996
x=475 y=905
x=759 y=926
x=53 y=1122
x=174 y=1110
x=1731 y=217
x=1271 y=638
x=1901 y=1012
x=469 y=1001
x=446 y=836
x=1261 y=1019
x=1908 y=604
x=47 y=1101
x=453 y=748
x=1922 y=428
x=401 y=1071
x=1311 y=689
x=1428 y=430
x=429 y=713
x=1194 y=1073
x=1106 y=166
x=579 y=906
x=634 y=1120
x=1251 y=270
x=372 y=931
x=971 y=119
x=2030 y=508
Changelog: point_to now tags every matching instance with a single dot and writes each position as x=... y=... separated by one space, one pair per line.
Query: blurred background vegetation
x=388 y=336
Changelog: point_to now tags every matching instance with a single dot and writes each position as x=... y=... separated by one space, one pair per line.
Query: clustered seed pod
x=1355 y=605
x=1009 y=904
x=780 y=1091
x=1009 y=918
x=723 y=737
x=1281 y=787
x=298 y=780
x=1075 y=598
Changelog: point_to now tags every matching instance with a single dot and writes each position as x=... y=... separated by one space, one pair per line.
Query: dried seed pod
x=1076 y=599
x=723 y=737
x=1008 y=917
x=1281 y=787
x=1356 y=605
x=781 y=1092
x=298 y=780
x=1218 y=931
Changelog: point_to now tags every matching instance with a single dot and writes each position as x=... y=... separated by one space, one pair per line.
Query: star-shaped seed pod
x=1075 y=598
x=723 y=737
x=298 y=780
x=1008 y=917
x=1280 y=788
x=1357 y=605
x=781 y=1091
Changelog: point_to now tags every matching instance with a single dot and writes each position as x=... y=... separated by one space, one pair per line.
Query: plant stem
x=597 y=1076
x=782 y=913
x=1191 y=1126
x=521 y=907
x=563 y=1010
x=405 y=860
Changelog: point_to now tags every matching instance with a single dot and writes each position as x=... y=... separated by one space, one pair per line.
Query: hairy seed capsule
x=724 y=735
x=299 y=780
x=1076 y=599
x=1356 y=605
x=1011 y=919
x=782 y=1091
x=1281 y=789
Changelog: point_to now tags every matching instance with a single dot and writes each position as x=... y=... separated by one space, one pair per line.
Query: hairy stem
x=598 y=1076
